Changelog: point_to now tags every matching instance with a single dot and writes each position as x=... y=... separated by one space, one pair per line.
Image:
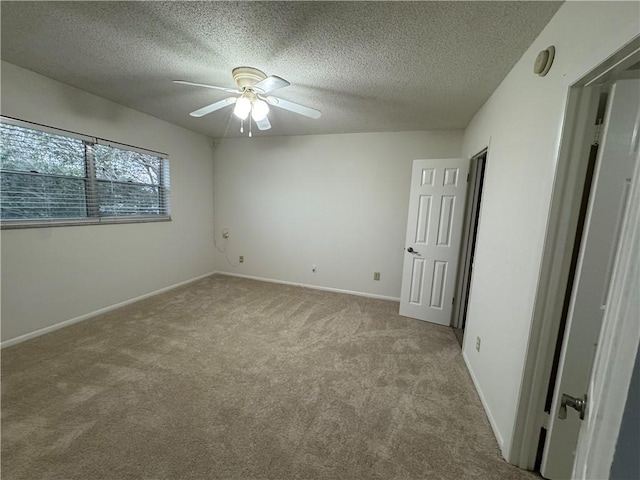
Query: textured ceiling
x=368 y=66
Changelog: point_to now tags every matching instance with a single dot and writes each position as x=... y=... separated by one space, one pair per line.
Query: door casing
x=469 y=234
x=557 y=254
x=587 y=290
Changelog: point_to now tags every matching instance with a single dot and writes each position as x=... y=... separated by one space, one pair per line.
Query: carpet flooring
x=229 y=378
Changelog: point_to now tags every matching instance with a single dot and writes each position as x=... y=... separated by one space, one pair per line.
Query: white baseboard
x=51 y=328
x=492 y=421
x=314 y=287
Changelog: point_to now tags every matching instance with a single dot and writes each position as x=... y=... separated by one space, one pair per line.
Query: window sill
x=76 y=222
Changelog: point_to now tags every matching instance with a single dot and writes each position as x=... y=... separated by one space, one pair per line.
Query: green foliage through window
x=46 y=176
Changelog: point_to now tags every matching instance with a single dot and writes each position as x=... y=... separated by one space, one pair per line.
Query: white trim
x=611 y=55
x=562 y=222
x=487 y=411
x=314 y=287
x=471 y=219
x=124 y=146
x=45 y=128
x=80 y=136
x=71 y=321
x=76 y=222
x=554 y=266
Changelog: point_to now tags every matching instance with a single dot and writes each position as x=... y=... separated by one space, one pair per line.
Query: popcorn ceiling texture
x=368 y=66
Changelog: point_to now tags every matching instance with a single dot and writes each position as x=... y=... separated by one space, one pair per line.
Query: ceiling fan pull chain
x=250 y=127
x=241 y=126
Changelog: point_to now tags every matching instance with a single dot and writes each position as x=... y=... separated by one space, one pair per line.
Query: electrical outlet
x=225 y=233
x=376 y=275
x=241 y=258
x=478 y=343
x=314 y=268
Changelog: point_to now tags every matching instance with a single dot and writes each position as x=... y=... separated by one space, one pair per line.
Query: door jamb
x=558 y=246
x=471 y=220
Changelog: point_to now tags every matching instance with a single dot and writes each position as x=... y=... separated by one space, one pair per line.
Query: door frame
x=477 y=167
x=561 y=231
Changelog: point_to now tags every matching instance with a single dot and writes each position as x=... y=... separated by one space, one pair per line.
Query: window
x=48 y=176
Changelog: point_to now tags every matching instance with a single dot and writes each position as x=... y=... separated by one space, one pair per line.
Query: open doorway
x=587 y=297
x=469 y=234
x=598 y=111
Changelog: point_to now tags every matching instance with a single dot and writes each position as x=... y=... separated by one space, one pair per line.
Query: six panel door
x=432 y=248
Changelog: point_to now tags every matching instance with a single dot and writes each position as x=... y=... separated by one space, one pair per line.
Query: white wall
x=521 y=124
x=337 y=201
x=51 y=275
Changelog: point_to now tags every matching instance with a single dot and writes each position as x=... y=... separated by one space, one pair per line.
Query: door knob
x=579 y=404
x=411 y=250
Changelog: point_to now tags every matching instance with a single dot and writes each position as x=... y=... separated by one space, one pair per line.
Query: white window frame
x=93 y=217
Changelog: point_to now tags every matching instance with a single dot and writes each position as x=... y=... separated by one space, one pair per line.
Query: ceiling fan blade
x=224 y=89
x=294 y=107
x=213 y=107
x=264 y=124
x=270 y=84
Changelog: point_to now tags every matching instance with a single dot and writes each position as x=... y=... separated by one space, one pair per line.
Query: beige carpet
x=237 y=379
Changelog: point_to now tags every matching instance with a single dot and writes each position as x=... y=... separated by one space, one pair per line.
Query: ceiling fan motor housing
x=246 y=77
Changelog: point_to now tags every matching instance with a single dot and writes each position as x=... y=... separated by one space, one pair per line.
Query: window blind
x=56 y=176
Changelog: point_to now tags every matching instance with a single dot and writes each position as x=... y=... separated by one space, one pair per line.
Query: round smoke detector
x=544 y=60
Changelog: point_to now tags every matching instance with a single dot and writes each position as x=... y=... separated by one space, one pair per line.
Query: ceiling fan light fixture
x=242 y=108
x=260 y=110
x=253 y=104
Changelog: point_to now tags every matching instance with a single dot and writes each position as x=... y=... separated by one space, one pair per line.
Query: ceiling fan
x=253 y=102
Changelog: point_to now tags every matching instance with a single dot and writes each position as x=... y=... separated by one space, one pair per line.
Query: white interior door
x=616 y=358
x=432 y=248
x=607 y=203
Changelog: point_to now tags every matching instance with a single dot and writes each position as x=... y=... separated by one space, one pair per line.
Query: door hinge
x=467 y=178
x=544 y=420
x=453 y=300
x=598 y=131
